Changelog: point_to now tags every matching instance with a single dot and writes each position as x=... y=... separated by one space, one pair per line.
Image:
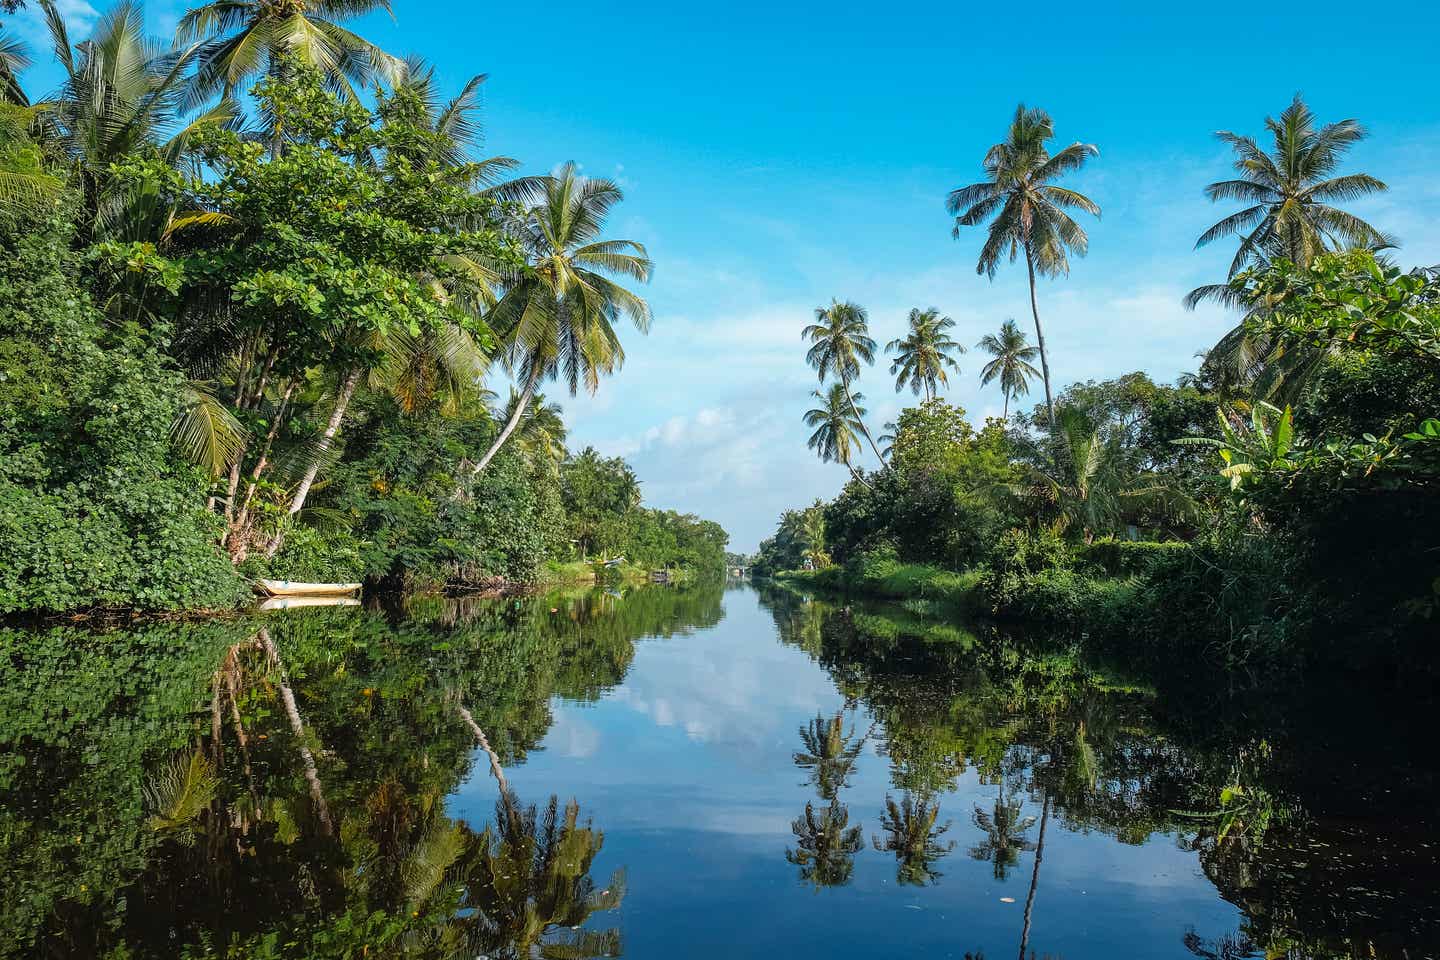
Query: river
x=702 y=771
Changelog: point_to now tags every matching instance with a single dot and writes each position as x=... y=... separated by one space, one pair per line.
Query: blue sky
x=777 y=155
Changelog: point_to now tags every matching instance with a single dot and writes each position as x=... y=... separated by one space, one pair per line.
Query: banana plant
x=1265 y=443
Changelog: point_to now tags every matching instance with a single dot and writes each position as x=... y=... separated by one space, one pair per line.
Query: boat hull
x=292 y=588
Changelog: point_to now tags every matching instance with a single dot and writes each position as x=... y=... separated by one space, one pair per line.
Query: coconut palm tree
x=1004 y=831
x=121 y=94
x=1010 y=363
x=912 y=835
x=839 y=342
x=1288 y=195
x=1035 y=875
x=557 y=316
x=836 y=422
x=14 y=59
x=243 y=39
x=1027 y=212
x=25 y=183
x=924 y=354
x=1089 y=486
x=825 y=845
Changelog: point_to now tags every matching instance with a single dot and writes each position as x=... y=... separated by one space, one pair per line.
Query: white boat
x=293 y=588
x=294 y=603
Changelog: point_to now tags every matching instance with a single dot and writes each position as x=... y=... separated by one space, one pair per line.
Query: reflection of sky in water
x=687 y=768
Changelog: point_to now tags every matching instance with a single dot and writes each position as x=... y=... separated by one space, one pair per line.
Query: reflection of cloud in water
x=572 y=737
x=732 y=688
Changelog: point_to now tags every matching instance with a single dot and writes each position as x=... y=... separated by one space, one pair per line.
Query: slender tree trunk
x=297 y=726
x=297 y=503
x=864 y=429
x=1039 y=334
x=1005 y=408
x=510 y=424
x=856 y=474
x=1035 y=875
x=260 y=464
x=480 y=738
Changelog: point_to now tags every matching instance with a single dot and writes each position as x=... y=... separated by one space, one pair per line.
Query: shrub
x=1127 y=557
x=96 y=509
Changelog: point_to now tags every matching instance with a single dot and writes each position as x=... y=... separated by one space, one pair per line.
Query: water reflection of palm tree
x=1004 y=831
x=828 y=754
x=527 y=881
x=1035 y=875
x=911 y=834
x=825 y=845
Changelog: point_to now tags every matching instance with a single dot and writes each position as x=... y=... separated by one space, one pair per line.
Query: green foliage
x=96 y=510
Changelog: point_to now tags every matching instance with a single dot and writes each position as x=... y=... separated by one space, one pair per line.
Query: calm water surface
x=688 y=772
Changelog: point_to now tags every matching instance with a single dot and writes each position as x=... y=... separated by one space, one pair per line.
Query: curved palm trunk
x=856 y=474
x=297 y=726
x=510 y=424
x=1039 y=335
x=1034 y=875
x=237 y=532
x=332 y=427
x=863 y=429
x=484 y=742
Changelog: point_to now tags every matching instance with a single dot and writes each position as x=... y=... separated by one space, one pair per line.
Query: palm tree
x=1011 y=363
x=836 y=422
x=1288 y=193
x=812 y=534
x=839 y=342
x=120 y=95
x=243 y=39
x=1035 y=875
x=1004 y=831
x=557 y=317
x=1089 y=485
x=14 y=59
x=1028 y=210
x=828 y=754
x=923 y=355
x=911 y=834
x=25 y=183
x=825 y=845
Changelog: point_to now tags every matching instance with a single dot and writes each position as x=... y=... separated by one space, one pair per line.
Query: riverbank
x=1141 y=600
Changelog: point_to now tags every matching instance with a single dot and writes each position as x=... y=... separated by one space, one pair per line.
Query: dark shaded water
x=691 y=772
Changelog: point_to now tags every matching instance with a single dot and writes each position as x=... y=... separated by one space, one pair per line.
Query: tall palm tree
x=1028 y=210
x=14 y=59
x=243 y=39
x=912 y=835
x=1005 y=838
x=557 y=317
x=839 y=342
x=121 y=94
x=924 y=354
x=836 y=423
x=1035 y=874
x=1010 y=364
x=1288 y=195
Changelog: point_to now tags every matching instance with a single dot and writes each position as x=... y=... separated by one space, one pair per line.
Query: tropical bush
x=97 y=508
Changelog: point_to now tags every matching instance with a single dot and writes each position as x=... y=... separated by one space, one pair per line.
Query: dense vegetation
x=1279 y=504
x=249 y=335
